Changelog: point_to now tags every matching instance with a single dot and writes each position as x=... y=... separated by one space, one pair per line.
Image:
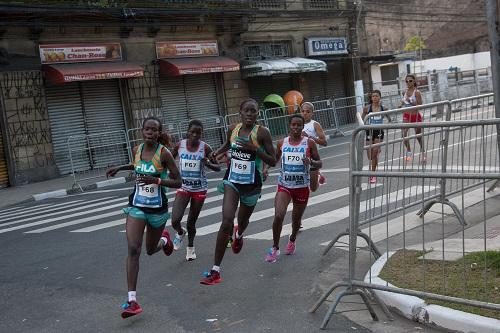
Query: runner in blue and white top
x=193 y=156
x=294 y=173
x=297 y=155
x=374 y=137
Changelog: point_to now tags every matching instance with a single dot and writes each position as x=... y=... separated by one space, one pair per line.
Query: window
x=325 y=4
x=263 y=50
x=390 y=74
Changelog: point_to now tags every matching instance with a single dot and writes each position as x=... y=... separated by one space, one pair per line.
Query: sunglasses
x=409 y=81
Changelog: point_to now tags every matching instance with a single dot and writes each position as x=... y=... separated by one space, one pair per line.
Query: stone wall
x=26 y=119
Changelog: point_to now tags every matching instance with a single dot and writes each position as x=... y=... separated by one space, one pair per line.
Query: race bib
x=292 y=162
x=376 y=120
x=191 y=165
x=293 y=158
x=149 y=191
x=241 y=167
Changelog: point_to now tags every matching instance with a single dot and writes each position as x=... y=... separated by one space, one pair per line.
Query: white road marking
x=339 y=214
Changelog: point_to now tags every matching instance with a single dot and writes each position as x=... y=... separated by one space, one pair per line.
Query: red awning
x=183 y=66
x=62 y=73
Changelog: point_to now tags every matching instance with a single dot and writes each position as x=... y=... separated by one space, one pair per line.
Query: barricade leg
x=335 y=240
x=445 y=201
x=371 y=245
x=494 y=186
x=326 y=294
x=348 y=292
x=383 y=306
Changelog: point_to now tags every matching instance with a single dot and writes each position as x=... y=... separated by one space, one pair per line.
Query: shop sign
x=186 y=49
x=70 y=53
x=326 y=46
x=102 y=76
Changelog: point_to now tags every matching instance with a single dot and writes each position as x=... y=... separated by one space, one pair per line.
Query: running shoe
x=168 y=247
x=273 y=254
x=423 y=157
x=373 y=180
x=130 y=309
x=230 y=242
x=211 y=278
x=178 y=239
x=190 y=254
x=290 y=248
x=321 y=179
x=408 y=156
x=237 y=242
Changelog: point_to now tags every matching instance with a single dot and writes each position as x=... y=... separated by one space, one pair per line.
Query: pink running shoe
x=290 y=248
x=321 y=179
x=273 y=255
x=169 y=246
x=423 y=158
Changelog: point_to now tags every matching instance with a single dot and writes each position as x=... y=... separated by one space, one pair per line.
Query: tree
x=415 y=43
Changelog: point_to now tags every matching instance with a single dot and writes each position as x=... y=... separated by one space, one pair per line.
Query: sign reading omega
x=325 y=46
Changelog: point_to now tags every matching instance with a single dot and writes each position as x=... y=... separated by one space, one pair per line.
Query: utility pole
x=493 y=16
x=357 y=77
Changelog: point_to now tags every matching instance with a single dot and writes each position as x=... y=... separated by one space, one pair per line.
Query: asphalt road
x=63 y=265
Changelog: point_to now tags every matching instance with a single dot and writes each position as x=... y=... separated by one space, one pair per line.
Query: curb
x=63 y=192
x=416 y=309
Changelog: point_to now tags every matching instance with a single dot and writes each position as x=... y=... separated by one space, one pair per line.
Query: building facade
x=69 y=73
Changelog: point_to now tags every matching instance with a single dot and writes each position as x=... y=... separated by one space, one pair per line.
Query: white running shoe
x=178 y=239
x=190 y=254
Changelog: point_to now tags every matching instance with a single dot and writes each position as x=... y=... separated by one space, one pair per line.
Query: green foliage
x=415 y=43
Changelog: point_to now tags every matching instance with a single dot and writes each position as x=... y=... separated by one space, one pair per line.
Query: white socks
x=131 y=296
x=216 y=268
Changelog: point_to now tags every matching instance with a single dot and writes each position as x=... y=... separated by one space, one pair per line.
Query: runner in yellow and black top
x=250 y=145
x=148 y=206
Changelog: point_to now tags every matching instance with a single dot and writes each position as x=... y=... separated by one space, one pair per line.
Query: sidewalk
x=51 y=188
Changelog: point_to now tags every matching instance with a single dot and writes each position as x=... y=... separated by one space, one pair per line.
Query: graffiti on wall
x=27 y=120
x=144 y=95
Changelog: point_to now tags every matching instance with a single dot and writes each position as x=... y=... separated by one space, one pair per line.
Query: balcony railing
x=292 y=5
x=328 y=4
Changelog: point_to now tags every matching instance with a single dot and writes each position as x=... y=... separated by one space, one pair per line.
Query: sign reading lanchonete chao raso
x=326 y=46
x=69 y=53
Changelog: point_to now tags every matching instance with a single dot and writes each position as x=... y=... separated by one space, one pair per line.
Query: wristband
x=158 y=181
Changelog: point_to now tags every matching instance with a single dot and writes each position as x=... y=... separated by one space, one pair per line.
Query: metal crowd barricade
x=383 y=213
x=326 y=114
x=346 y=109
x=98 y=151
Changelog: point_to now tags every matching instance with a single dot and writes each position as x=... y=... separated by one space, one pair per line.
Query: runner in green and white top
x=148 y=207
x=250 y=146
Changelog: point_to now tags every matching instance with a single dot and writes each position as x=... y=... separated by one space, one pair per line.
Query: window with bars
x=269 y=4
x=325 y=4
x=259 y=50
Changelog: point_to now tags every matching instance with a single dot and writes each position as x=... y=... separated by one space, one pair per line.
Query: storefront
x=330 y=84
x=190 y=82
x=84 y=97
x=277 y=76
x=4 y=176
